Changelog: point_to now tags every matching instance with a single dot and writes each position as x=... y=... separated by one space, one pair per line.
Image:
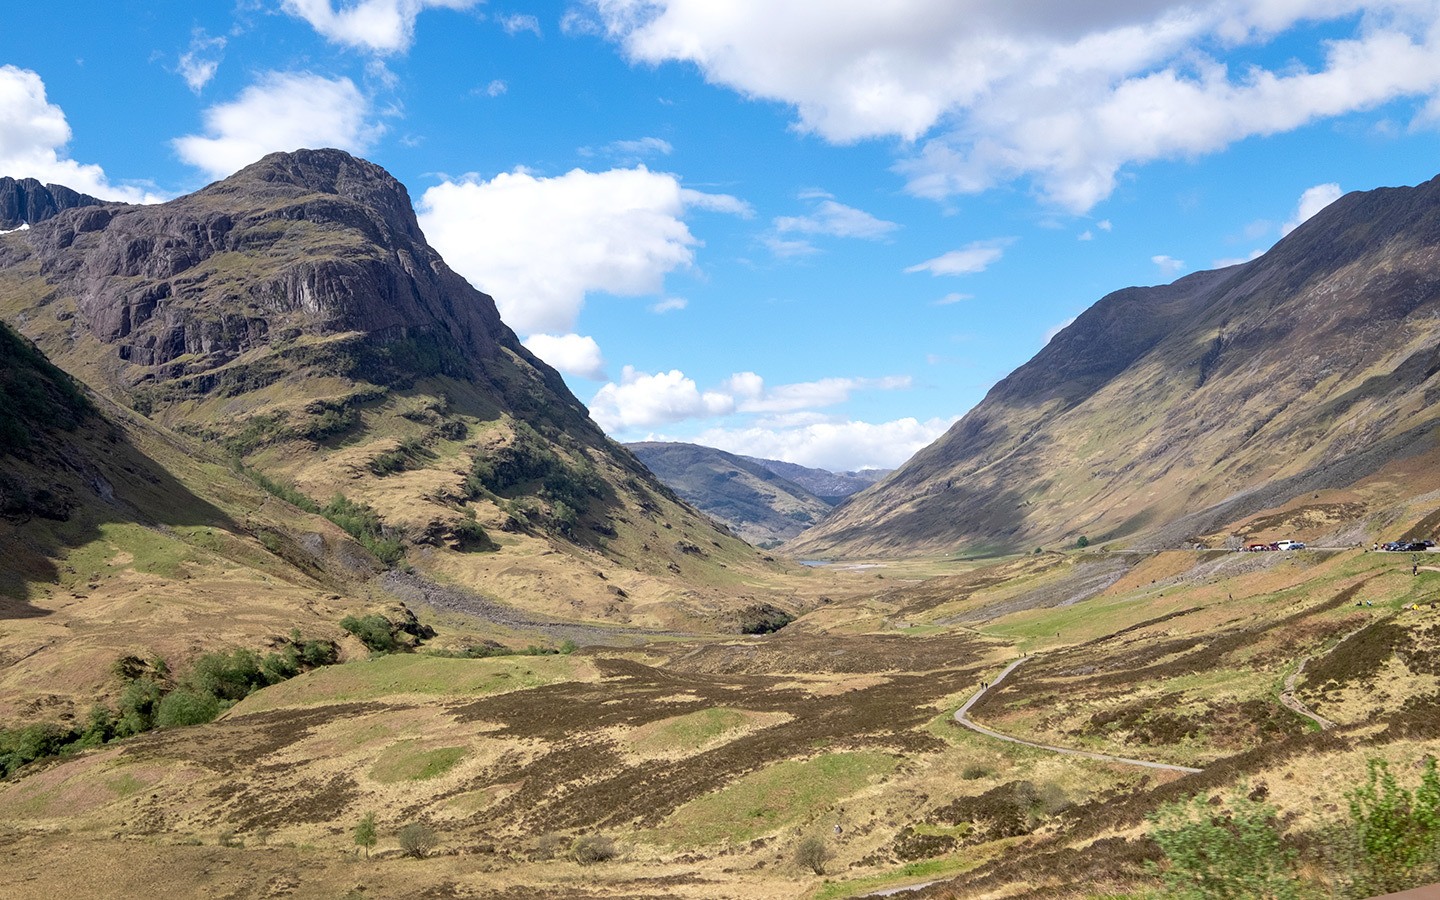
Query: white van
x=1290 y=545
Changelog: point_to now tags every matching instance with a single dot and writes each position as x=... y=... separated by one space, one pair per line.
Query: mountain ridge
x=1193 y=393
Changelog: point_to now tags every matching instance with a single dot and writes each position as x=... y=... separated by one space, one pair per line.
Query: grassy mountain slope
x=760 y=506
x=293 y=316
x=1171 y=413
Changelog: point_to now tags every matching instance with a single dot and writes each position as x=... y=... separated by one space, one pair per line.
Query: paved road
x=962 y=716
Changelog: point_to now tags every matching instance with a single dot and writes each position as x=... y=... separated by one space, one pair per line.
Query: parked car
x=1258 y=548
x=1289 y=545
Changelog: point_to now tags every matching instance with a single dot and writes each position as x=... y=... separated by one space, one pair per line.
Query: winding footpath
x=962 y=716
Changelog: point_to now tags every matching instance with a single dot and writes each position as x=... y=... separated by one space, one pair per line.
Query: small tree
x=812 y=853
x=1082 y=542
x=417 y=839
x=365 y=834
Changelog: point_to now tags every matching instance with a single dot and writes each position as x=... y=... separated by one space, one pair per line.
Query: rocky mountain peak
x=25 y=201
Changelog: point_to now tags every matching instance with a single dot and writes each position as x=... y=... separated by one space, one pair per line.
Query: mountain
x=832 y=487
x=745 y=494
x=1293 y=394
x=293 y=320
x=26 y=201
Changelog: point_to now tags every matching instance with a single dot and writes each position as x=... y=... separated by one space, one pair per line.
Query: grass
x=408 y=761
x=772 y=798
x=690 y=732
x=940 y=867
x=404 y=673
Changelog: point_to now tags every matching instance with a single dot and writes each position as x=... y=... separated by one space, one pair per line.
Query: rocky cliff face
x=1165 y=413
x=26 y=201
x=296 y=247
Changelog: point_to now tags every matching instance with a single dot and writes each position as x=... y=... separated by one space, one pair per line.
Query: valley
x=317 y=583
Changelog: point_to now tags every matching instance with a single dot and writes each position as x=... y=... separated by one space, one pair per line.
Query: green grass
x=692 y=731
x=406 y=761
x=941 y=867
x=153 y=552
x=405 y=673
x=772 y=798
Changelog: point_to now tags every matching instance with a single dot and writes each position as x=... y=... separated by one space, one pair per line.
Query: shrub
x=592 y=848
x=1396 y=832
x=812 y=853
x=548 y=846
x=374 y=631
x=1082 y=542
x=186 y=706
x=1225 y=852
x=417 y=839
x=976 y=771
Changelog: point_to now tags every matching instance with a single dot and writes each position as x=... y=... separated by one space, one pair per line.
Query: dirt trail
x=962 y=716
x=1287 y=697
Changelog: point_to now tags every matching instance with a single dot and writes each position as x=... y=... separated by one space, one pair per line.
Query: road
x=962 y=716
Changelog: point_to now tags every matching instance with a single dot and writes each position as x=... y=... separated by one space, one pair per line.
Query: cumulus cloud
x=1169 y=265
x=281 y=111
x=572 y=354
x=382 y=26
x=641 y=400
x=1059 y=93
x=200 y=63
x=837 y=220
x=33 y=135
x=968 y=260
x=539 y=245
x=1311 y=202
x=839 y=446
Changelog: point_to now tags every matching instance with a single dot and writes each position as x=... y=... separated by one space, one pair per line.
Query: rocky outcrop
x=25 y=201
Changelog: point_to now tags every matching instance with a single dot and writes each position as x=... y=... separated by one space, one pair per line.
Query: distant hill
x=1293 y=394
x=832 y=487
x=743 y=493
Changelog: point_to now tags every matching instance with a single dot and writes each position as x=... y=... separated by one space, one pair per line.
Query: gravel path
x=962 y=716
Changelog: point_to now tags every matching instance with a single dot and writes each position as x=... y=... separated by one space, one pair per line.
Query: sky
x=809 y=230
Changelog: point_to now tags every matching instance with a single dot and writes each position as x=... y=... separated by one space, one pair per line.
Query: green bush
x=186 y=706
x=1396 y=832
x=1231 y=851
x=1082 y=542
x=374 y=631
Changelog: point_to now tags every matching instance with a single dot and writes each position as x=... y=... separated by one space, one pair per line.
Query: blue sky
x=815 y=230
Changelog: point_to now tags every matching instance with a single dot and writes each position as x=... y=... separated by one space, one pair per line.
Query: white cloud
x=516 y=23
x=199 y=63
x=1311 y=202
x=1059 y=93
x=572 y=354
x=952 y=298
x=281 y=111
x=837 y=220
x=384 y=26
x=1169 y=265
x=644 y=401
x=540 y=245
x=646 y=146
x=669 y=304
x=968 y=260
x=496 y=88
x=721 y=203
x=33 y=135
x=839 y=446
